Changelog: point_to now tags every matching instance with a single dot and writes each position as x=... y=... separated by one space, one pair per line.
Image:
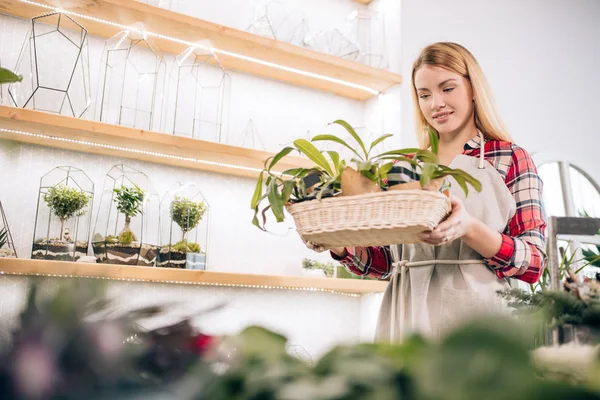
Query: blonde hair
x=456 y=58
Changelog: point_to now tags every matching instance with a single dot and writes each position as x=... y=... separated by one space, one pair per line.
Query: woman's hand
x=455 y=227
x=339 y=251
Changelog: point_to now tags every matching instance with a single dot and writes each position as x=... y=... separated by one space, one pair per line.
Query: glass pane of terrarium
x=198 y=96
x=7 y=245
x=59 y=85
x=132 y=82
x=184 y=228
x=126 y=227
x=586 y=197
x=552 y=193
x=63 y=217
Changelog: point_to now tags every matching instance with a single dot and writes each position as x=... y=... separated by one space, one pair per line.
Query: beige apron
x=433 y=288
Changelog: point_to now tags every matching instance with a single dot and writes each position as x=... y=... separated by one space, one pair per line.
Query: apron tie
x=481 y=150
x=400 y=270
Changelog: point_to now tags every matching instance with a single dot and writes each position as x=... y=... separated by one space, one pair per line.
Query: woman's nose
x=437 y=103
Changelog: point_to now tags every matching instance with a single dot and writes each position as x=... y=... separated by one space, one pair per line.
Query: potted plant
x=124 y=225
x=364 y=174
x=63 y=216
x=184 y=208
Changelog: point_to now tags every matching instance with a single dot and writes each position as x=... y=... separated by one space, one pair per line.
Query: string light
x=214 y=49
x=194 y=283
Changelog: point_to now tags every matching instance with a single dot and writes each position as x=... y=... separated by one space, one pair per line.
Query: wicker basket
x=373 y=219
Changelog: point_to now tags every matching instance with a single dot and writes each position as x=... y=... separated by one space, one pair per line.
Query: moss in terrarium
x=112 y=239
x=184 y=246
x=127 y=237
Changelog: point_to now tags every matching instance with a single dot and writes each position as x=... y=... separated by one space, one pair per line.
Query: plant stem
x=62 y=228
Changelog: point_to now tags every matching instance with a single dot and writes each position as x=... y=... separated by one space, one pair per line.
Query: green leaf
x=379 y=140
x=286 y=192
x=462 y=184
x=351 y=130
x=433 y=141
x=313 y=154
x=7 y=76
x=275 y=201
x=327 y=183
x=333 y=138
x=402 y=159
x=402 y=152
x=284 y=152
x=427 y=156
x=257 y=192
x=293 y=171
x=335 y=159
x=427 y=173
x=384 y=169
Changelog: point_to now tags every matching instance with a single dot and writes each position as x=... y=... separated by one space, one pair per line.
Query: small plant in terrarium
x=126 y=226
x=66 y=203
x=187 y=215
x=129 y=203
x=62 y=228
x=182 y=234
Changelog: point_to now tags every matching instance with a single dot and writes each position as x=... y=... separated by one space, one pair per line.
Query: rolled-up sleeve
x=522 y=254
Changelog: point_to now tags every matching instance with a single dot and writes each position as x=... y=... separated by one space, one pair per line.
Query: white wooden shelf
x=238 y=50
x=52 y=130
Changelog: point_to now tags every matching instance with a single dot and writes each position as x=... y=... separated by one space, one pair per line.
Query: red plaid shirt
x=522 y=253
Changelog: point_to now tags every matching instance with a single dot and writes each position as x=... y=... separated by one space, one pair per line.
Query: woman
x=490 y=236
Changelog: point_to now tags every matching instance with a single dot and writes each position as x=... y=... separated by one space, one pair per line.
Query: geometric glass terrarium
x=369 y=31
x=132 y=82
x=7 y=245
x=126 y=228
x=57 y=84
x=198 y=94
x=183 y=228
x=64 y=212
x=276 y=20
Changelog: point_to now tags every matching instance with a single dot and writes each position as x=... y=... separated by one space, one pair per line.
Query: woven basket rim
x=370 y=196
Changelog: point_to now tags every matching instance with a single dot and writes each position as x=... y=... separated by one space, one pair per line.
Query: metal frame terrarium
x=184 y=228
x=54 y=84
x=132 y=82
x=7 y=245
x=63 y=216
x=199 y=90
x=126 y=230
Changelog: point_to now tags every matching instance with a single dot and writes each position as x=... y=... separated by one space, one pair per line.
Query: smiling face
x=445 y=99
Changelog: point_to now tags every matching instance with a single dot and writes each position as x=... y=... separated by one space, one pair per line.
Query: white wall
x=541 y=58
x=281 y=113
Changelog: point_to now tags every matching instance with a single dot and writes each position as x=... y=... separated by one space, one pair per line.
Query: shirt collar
x=474 y=143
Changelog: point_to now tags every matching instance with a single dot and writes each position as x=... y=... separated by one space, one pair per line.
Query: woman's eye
x=424 y=96
x=448 y=89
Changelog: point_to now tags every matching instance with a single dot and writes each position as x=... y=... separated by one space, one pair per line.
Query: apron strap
x=481 y=150
x=400 y=270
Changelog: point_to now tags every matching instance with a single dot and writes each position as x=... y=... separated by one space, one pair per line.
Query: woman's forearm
x=482 y=239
